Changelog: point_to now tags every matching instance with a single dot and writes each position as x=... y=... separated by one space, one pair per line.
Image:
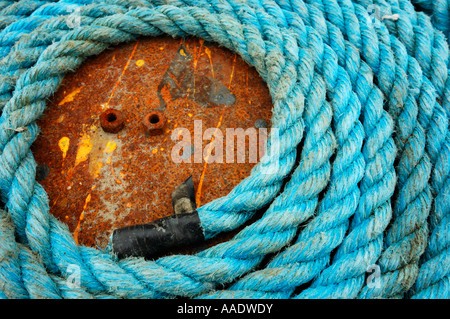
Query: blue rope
x=367 y=98
x=439 y=12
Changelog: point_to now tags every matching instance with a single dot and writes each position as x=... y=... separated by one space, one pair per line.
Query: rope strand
x=367 y=98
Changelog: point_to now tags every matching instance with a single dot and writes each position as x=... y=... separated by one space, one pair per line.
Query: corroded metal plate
x=98 y=181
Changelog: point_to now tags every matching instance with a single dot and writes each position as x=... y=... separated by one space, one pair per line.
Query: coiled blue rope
x=368 y=98
x=439 y=11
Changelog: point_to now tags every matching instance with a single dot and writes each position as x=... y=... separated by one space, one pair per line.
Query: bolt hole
x=154 y=119
x=111 y=117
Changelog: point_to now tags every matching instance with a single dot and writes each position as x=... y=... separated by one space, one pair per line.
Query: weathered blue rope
x=27 y=49
x=334 y=288
x=374 y=212
x=385 y=75
x=425 y=110
x=431 y=51
x=348 y=166
x=47 y=9
x=439 y=11
x=44 y=246
x=13 y=11
x=263 y=283
x=422 y=41
x=393 y=82
x=321 y=86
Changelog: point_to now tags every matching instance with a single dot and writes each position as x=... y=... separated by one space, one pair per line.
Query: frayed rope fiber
x=363 y=86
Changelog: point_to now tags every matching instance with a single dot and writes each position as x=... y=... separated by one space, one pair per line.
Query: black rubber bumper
x=159 y=237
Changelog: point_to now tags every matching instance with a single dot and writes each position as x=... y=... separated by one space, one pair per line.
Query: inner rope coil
x=367 y=98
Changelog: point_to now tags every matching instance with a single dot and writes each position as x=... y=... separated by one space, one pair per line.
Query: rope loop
x=360 y=210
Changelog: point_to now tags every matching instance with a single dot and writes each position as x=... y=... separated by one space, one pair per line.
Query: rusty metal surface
x=99 y=181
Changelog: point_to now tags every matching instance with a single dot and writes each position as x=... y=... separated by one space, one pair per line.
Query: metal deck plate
x=98 y=181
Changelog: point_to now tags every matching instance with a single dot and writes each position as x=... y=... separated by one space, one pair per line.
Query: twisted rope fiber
x=425 y=43
x=268 y=283
x=430 y=47
x=5 y=3
x=241 y=236
x=21 y=265
x=234 y=294
x=12 y=11
x=439 y=10
x=44 y=10
x=261 y=280
x=269 y=232
x=341 y=88
x=442 y=122
x=435 y=140
x=347 y=168
x=438 y=129
x=26 y=50
x=435 y=121
x=394 y=85
x=335 y=287
x=14 y=31
x=374 y=210
x=286 y=223
x=53 y=224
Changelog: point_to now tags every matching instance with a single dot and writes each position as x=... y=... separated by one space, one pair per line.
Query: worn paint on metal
x=99 y=181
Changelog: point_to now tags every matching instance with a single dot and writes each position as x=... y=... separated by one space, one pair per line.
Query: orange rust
x=127 y=178
x=70 y=96
x=232 y=71
x=123 y=72
x=198 y=194
x=112 y=120
x=86 y=202
x=154 y=123
x=208 y=53
x=114 y=174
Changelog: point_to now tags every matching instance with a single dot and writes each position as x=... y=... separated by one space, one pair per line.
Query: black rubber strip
x=159 y=237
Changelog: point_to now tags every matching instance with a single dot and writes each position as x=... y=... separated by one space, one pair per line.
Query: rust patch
x=154 y=123
x=112 y=121
x=98 y=181
x=182 y=81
